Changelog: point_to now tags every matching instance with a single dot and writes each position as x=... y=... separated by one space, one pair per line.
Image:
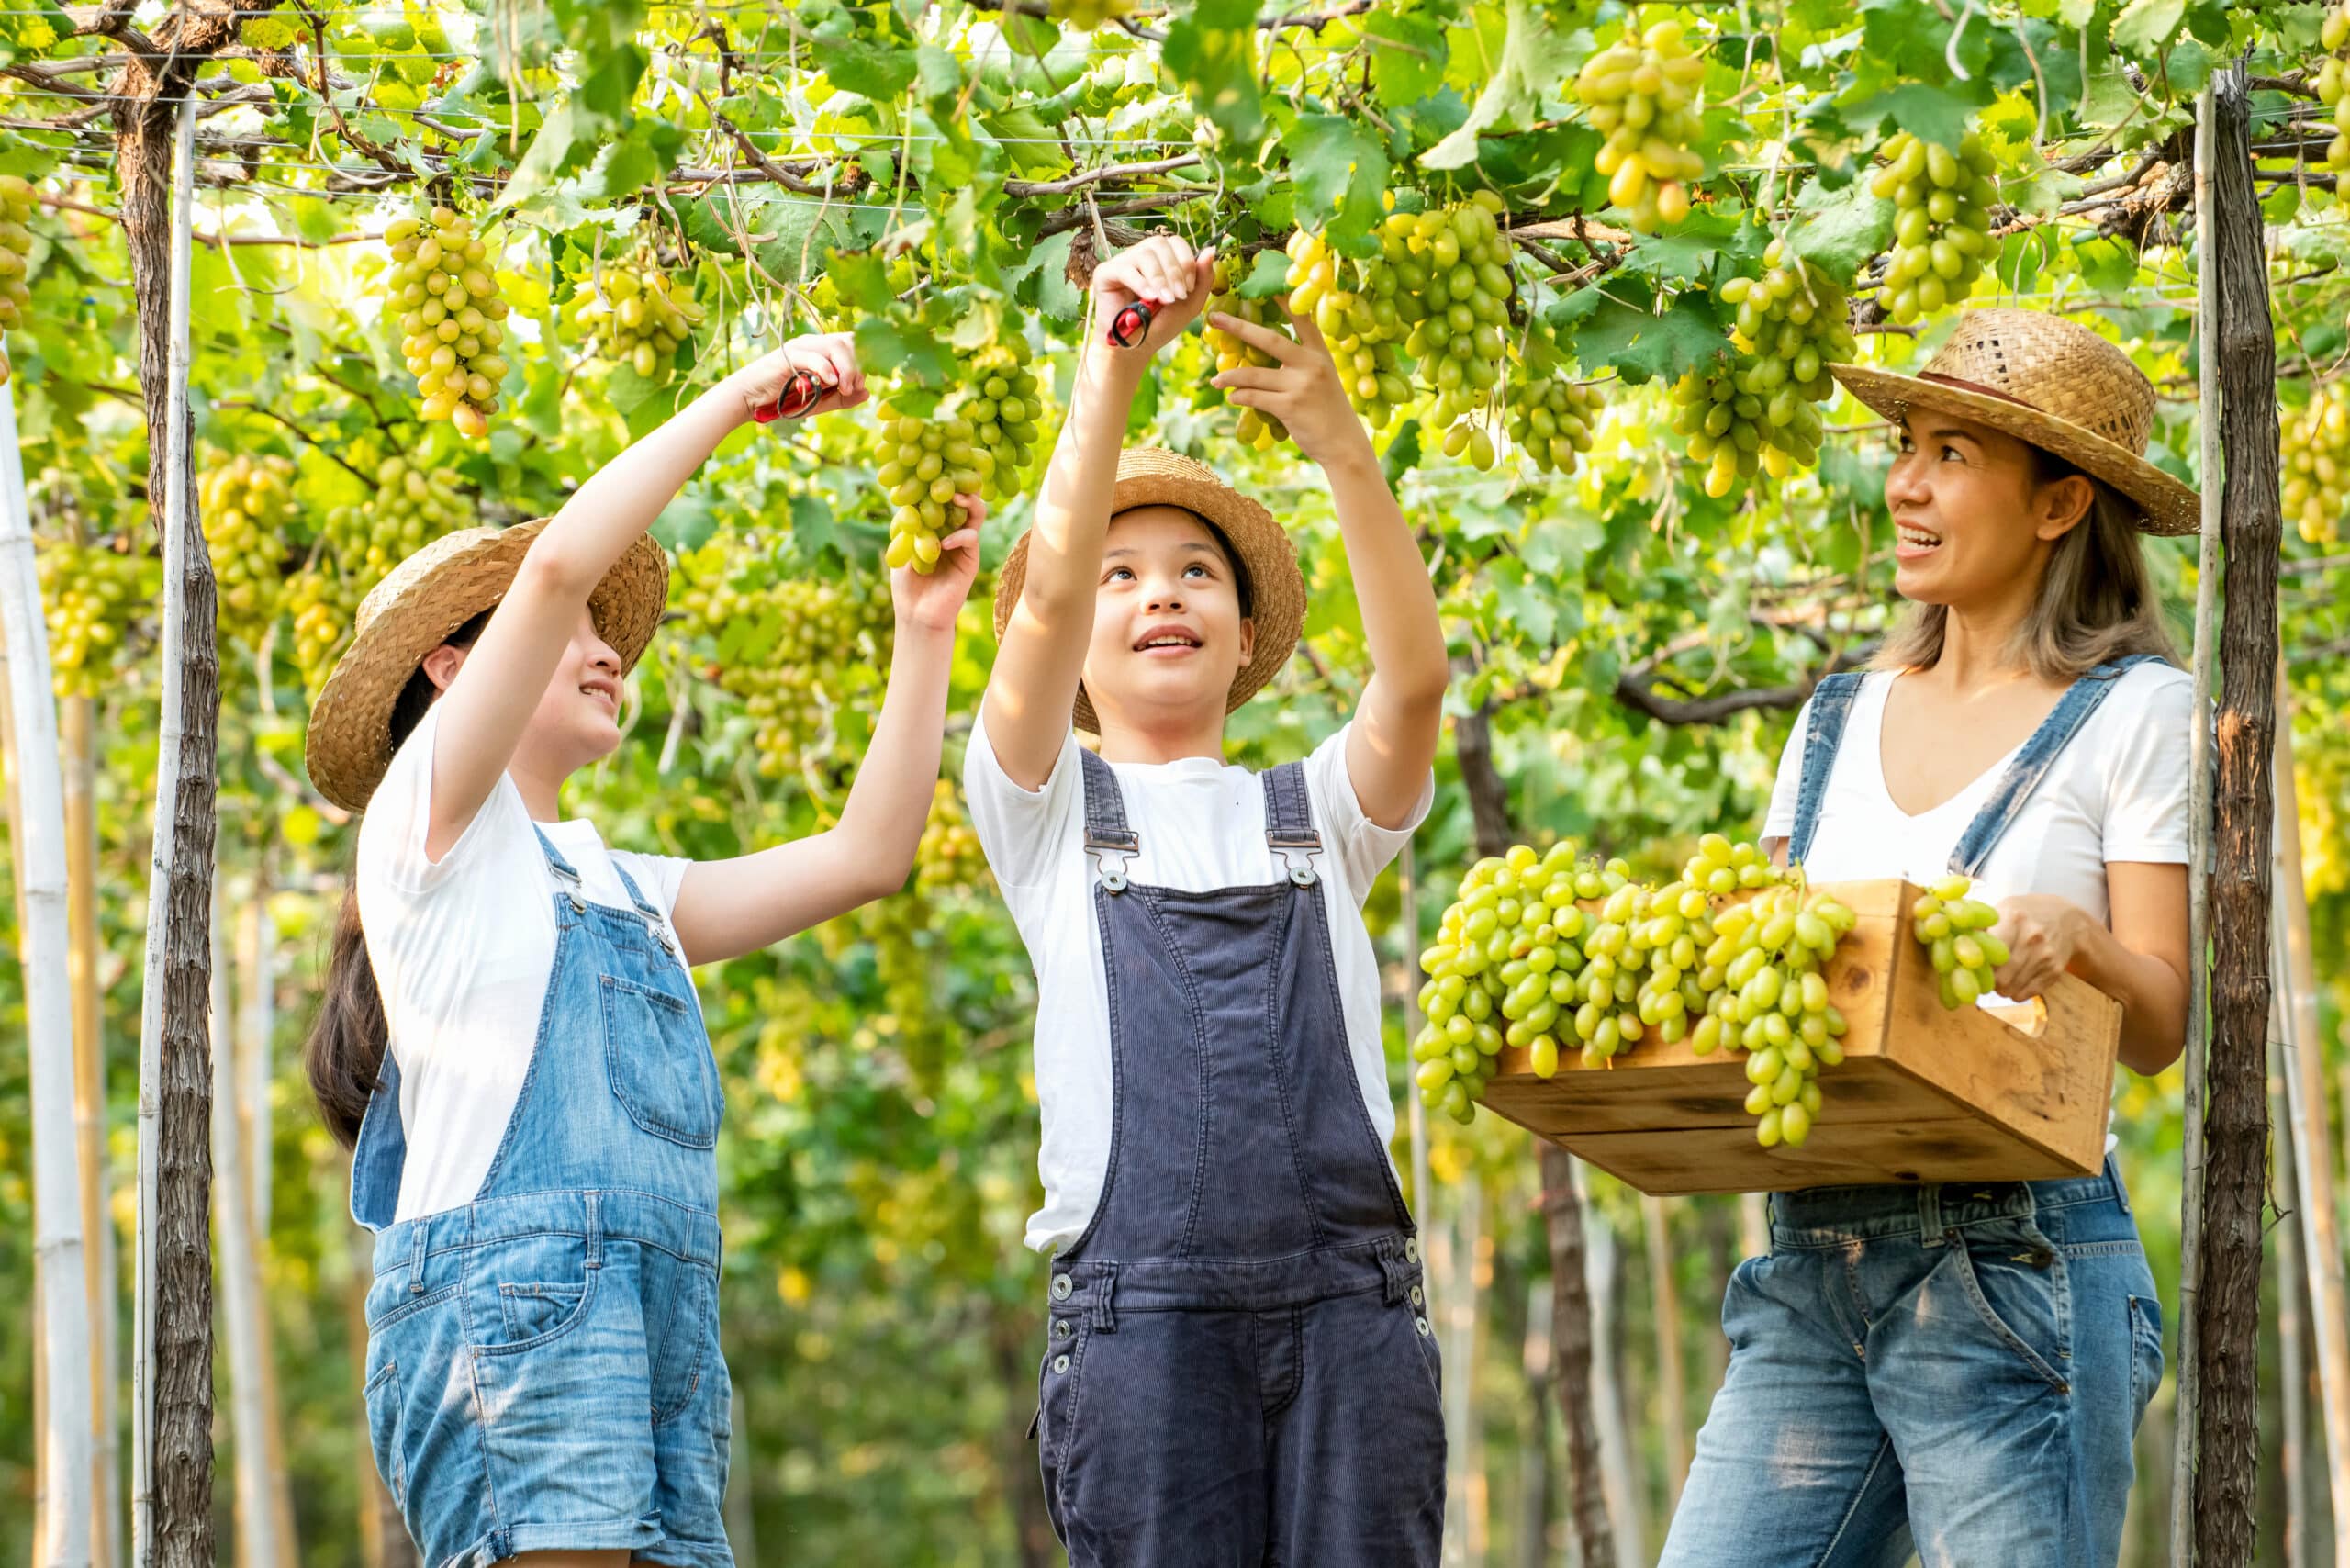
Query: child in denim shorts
x=1239 y=1365
x=510 y=1037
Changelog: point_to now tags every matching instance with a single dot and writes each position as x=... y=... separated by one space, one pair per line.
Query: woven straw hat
x=1148 y=476
x=412 y=611
x=2049 y=382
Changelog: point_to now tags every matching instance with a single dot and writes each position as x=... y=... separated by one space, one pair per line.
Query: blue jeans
x=1961 y=1367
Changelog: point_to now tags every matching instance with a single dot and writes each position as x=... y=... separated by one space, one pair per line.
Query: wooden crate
x=1923 y=1093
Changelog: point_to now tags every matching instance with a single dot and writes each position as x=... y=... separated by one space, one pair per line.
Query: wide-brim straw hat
x=2049 y=382
x=412 y=611
x=1149 y=476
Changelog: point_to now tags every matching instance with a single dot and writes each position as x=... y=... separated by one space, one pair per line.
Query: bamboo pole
x=76 y=735
x=1534 y=1455
x=62 y=1527
x=2186 y=1382
x=2292 y=1448
x=257 y=1019
x=1460 y=1302
x=2302 y=1050
x=1664 y=1308
x=241 y=1303
x=1603 y=1263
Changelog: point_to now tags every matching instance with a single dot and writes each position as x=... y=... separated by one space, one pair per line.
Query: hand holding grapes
x=2041 y=932
x=829 y=357
x=1301 y=389
x=1164 y=273
x=932 y=600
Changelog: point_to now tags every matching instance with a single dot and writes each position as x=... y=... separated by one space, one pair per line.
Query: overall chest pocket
x=658 y=1060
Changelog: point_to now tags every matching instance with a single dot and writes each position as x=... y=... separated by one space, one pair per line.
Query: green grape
x=16 y=247
x=949 y=858
x=443 y=286
x=1725 y=428
x=413 y=504
x=977 y=440
x=246 y=503
x=1793 y=323
x=1354 y=306
x=1261 y=431
x=323 y=604
x=794 y=650
x=2334 y=82
x=1942 y=228
x=1460 y=341
x=2314 y=448
x=1955 y=931
x=91 y=596
x=639 y=319
x=1641 y=94
x=1551 y=417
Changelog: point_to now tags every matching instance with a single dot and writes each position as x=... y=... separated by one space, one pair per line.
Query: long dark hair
x=345 y=1051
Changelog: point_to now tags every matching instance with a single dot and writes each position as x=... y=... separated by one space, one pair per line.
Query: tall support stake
x=61 y=1530
x=2292 y=1370
x=2187 y=1386
x=1664 y=1315
x=2304 y=1053
x=2227 y=1295
x=76 y=733
x=172 y=1375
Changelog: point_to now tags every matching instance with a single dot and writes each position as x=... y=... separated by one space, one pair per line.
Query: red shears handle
x=800 y=393
x=1130 y=325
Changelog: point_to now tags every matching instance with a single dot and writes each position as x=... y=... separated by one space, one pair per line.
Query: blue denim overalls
x=1239 y=1368
x=542 y=1364
x=1963 y=1364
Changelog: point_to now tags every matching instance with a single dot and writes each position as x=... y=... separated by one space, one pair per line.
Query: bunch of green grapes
x=1504 y=969
x=16 y=246
x=1791 y=324
x=636 y=317
x=1955 y=931
x=1727 y=429
x=977 y=440
x=2315 y=449
x=1087 y=15
x=1552 y=418
x=949 y=858
x=1641 y=94
x=1765 y=995
x=413 y=505
x=2334 y=80
x=246 y=502
x=1721 y=868
x=1261 y=431
x=1356 y=307
x=793 y=649
x=1460 y=340
x=324 y=602
x=450 y=312
x=1942 y=229
x=91 y=595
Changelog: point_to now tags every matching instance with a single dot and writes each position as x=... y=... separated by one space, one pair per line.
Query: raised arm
x=1401 y=716
x=727 y=908
x=1042 y=657
x=498 y=685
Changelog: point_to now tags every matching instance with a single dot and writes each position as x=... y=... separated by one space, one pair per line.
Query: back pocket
x=2145 y=1352
x=386 y=1430
x=657 y=1059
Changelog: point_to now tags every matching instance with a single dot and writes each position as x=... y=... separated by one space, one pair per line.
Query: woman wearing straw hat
x=1962 y=1368
x=1239 y=1366
x=535 y=1149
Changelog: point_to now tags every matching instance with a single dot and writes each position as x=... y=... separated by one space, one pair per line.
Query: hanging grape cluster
x=323 y=603
x=1641 y=94
x=1261 y=431
x=16 y=246
x=246 y=502
x=1955 y=931
x=1725 y=427
x=1460 y=340
x=977 y=440
x=450 y=314
x=1540 y=950
x=1552 y=416
x=2315 y=452
x=794 y=650
x=2334 y=80
x=412 y=505
x=1941 y=225
x=949 y=858
x=1793 y=323
x=91 y=595
x=1354 y=304
x=636 y=316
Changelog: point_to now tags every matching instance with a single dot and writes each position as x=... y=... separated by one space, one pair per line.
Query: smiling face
x=1973 y=519
x=1169 y=636
x=577 y=721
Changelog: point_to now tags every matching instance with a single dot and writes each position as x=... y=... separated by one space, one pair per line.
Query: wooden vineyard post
x=61 y=1528
x=2303 y=1049
x=76 y=737
x=2292 y=1446
x=2236 y=1104
x=1664 y=1308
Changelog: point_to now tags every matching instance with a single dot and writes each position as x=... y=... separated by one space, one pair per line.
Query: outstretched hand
x=829 y=357
x=933 y=599
x=1163 y=272
x=1301 y=389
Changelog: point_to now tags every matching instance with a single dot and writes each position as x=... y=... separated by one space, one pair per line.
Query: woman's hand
x=829 y=357
x=1302 y=391
x=933 y=601
x=2042 y=933
x=1162 y=271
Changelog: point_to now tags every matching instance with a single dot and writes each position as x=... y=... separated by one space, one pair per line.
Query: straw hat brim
x=350 y=744
x=2165 y=506
x=1148 y=476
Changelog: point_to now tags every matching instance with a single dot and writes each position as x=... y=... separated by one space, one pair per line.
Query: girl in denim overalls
x=535 y=1150
x=1238 y=1367
x=1960 y=1369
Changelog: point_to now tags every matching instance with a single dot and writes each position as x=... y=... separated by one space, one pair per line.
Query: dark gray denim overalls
x=1240 y=1369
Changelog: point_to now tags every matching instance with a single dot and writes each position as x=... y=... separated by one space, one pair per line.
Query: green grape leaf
x=1212 y=50
x=1938 y=115
x=1407 y=56
x=2145 y=27
x=1267 y=275
x=1536 y=57
x=876 y=71
x=1839 y=232
x=1341 y=170
x=1640 y=345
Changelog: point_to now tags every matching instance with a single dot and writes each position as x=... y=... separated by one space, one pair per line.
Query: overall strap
x=1109 y=842
x=380 y=1153
x=1289 y=822
x=652 y=920
x=566 y=877
x=1832 y=705
x=2033 y=763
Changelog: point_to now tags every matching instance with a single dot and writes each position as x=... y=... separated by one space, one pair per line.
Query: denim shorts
x=541 y=1376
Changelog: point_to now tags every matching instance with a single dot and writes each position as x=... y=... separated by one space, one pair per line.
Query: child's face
x=1168 y=632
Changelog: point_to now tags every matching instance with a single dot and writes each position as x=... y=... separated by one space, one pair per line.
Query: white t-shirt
x=1202 y=827
x=463 y=949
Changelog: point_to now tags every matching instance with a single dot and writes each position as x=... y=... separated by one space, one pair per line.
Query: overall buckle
x=1109 y=853
x=1297 y=854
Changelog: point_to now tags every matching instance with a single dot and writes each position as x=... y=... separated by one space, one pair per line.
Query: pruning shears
x=1131 y=323
x=802 y=391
